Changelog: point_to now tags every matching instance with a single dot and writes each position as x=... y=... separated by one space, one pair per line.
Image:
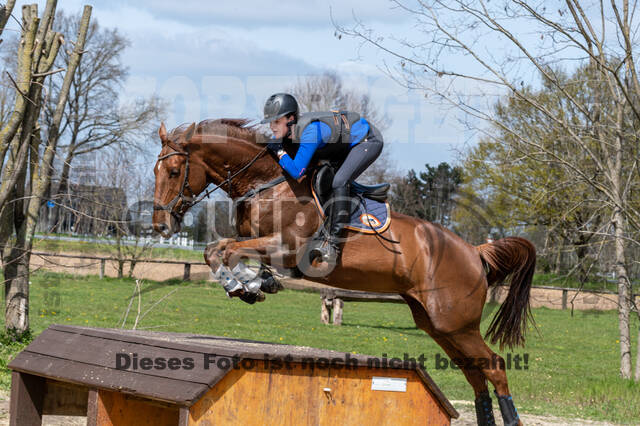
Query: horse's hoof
x=269 y=284
x=252 y=298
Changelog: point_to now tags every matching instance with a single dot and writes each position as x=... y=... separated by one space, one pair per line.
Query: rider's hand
x=275 y=147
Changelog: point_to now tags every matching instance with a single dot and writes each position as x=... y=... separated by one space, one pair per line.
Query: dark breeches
x=359 y=158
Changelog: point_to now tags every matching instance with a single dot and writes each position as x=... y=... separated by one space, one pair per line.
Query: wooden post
x=325 y=309
x=102 y=264
x=564 y=299
x=337 y=311
x=187 y=272
x=27 y=398
x=92 y=408
x=183 y=416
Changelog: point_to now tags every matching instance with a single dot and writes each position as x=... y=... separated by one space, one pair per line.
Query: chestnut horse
x=443 y=279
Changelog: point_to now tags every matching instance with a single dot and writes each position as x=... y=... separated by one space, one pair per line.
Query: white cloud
x=225 y=58
x=254 y=13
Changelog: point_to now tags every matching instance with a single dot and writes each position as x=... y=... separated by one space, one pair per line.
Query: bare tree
x=108 y=193
x=96 y=116
x=482 y=45
x=27 y=169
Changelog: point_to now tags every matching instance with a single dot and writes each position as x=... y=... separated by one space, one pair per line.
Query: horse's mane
x=231 y=127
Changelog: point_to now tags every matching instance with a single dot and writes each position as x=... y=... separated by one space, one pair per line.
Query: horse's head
x=179 y=178
x=222 y=152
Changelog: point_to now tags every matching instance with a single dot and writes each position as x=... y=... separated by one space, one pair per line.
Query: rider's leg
x=359 y=158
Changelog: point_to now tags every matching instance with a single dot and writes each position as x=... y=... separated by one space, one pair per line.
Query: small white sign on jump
x=394 y=384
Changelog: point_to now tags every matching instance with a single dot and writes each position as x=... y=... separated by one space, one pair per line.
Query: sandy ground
x=150 y=271
x=468 y=417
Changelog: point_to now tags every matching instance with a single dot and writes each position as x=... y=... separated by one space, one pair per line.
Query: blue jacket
x=313 y=138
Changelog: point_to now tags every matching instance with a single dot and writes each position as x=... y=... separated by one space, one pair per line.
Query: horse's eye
x=174 y=173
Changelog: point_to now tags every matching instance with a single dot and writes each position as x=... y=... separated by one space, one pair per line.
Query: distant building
x=86 y=210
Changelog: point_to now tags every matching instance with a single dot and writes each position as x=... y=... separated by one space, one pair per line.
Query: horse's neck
x=236 y=154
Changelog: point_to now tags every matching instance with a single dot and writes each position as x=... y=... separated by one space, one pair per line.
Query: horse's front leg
x=213 y=252
x=264 y=249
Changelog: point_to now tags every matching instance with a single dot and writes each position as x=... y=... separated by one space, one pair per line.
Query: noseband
x=188 y=201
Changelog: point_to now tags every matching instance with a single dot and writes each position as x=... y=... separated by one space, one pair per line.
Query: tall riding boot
x=339 y=217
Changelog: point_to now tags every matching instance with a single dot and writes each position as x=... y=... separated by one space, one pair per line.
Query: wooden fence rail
x=332 y=300
x=103 y=260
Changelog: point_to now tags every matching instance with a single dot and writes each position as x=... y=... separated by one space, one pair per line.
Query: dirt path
x=468 y=418
x=150 y=271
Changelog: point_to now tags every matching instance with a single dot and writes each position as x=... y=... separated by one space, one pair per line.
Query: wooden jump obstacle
x=332 y=302
x=125 y=377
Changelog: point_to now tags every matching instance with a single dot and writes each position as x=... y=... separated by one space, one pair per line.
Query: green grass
x=94 y=249
x=572 y=368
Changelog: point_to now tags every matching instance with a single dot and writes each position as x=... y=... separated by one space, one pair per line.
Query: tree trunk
x=16 y=273
x=55 y=224
x=120 y=268
x=620 y=268
x=5 y=12
x=17 y=269
x=25 y=63
x=132 y=266
x=637 y=376
x=624 y=297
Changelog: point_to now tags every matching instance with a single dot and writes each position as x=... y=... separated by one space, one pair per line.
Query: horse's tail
x=514 y=257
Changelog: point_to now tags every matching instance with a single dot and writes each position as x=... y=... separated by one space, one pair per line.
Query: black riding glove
x=274 y=147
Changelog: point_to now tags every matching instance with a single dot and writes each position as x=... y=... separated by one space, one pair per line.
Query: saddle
x=370 y=210
x=323 y=178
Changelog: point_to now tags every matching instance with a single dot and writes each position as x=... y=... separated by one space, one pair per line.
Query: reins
x=189 y=201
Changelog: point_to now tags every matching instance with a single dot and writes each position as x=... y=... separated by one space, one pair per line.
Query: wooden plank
x=302 y=396
x=222 y=346
x=435 y=390
x=103 y=353
x=362 y=296
x=117 y=409
x=159 y=388
x=27 y=395
x=65 y=399
x=352 y=398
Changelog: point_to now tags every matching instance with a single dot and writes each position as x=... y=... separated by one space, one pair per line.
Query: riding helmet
x=279 y=105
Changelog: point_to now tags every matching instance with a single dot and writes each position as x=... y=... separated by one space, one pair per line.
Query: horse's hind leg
x=475 y=376
x=475 y=350
x=477 y=380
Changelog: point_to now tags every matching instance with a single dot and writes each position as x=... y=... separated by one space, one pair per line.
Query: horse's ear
x=188 y=134
x=162 y=132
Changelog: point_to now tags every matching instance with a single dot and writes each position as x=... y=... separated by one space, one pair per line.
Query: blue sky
x=214 y=59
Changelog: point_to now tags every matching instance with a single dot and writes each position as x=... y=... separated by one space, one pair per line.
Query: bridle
x=189 y=201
